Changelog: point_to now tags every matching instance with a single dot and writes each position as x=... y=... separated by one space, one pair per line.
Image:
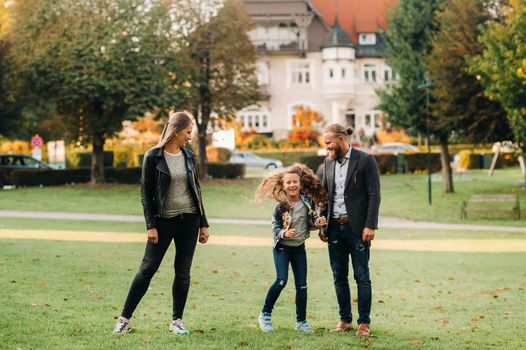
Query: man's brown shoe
x=363 y=330
x=342 y=326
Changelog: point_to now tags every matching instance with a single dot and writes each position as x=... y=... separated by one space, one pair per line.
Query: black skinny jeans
x=183 y=230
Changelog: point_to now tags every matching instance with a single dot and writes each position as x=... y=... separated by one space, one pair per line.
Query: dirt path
x=430 y=245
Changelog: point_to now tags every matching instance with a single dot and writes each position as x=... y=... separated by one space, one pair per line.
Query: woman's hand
x=290 y=233
x=203 y=235
x=153 y=236
x=321 y=222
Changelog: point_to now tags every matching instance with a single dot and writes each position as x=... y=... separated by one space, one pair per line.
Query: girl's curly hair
x=272 y=185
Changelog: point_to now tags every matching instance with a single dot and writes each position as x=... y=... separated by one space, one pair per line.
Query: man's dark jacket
x=156 y=180
x=362 y=190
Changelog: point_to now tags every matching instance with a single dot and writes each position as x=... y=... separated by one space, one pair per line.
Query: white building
x=304 y=61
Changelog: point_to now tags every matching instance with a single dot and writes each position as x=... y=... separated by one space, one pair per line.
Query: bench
x=492 y=199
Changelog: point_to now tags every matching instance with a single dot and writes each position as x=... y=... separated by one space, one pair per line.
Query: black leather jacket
x=156 y=180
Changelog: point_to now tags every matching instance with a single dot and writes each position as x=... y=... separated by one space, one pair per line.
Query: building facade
x=332 y=66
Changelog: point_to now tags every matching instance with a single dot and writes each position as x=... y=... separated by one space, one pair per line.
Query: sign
x=37 y=141
x=56 y=154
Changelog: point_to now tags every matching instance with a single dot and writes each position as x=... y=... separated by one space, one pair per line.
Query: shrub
x=387 y=163
x=417 y=162
x=288 y=158
x=305 y=135
x=312 y=162
x=52 y=177
x=470 y=160
x=218 y=154
x=226 y=170
x=123 y=175
x=258 y=141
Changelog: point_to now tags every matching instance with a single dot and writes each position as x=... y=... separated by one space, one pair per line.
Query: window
x=254 y=119
x=350 y=116
x=369 y=73
x=367 y=120
x=331 y=73
x=300 y=74
x=367 y=39
x=343 y=73
x=262 y=73
x=377 y=120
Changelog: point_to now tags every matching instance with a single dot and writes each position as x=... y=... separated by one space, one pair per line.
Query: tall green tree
x=100 y=62
x=408 y=42
x=219 y=61
x=9 y=105
x=500 y=66
x=459 y=103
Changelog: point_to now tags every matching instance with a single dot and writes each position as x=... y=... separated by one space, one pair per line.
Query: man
x=352 y=181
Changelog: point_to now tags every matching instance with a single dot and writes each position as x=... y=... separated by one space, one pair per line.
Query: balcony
x=277 y=45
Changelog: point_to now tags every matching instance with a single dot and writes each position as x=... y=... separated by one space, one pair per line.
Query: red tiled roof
x=355 y=16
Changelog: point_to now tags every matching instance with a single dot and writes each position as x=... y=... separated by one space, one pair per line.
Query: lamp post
x=426 y=85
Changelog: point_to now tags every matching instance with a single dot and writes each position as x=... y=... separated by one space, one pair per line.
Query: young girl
x=296 y=189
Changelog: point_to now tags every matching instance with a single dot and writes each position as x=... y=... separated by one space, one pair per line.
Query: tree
x=100 y=62
x=9 y=106
x=499 y=66
x=219 y=61
x=408 y=43
x=459 y=103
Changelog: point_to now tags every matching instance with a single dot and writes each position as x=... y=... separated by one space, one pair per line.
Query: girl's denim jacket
x=281 y=219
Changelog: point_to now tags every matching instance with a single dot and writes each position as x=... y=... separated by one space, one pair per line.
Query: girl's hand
x=153 y=236
x=290 y=233
x=203 y=235
x=321 y=222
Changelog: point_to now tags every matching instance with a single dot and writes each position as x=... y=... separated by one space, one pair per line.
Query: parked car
x=254 y=161
x=10 y=162
x=395 y=148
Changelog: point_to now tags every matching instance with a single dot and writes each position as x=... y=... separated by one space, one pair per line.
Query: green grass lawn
x=64 y=295
x=402 y=196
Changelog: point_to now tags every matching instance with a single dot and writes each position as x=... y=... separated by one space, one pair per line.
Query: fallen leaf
x=415 y=341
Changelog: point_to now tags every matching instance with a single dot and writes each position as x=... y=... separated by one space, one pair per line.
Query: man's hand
x=203 y=235
x=368 y=234
x=321 y=222
x=153 y=236
x=290 y=233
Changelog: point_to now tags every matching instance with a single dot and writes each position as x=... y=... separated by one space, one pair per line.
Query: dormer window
x=367 y=38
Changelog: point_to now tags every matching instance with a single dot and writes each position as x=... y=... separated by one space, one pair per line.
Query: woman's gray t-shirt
x=178 y=197
x=299 y=222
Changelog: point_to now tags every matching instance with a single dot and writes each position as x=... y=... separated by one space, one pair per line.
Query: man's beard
x=337 y=153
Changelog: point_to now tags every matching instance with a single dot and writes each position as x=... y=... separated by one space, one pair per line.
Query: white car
x=254 y=161
x=395 y=148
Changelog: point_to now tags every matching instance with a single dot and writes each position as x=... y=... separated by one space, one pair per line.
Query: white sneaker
x=122 y=326
x=303 y=326
x=177 y=327
x=265 y=322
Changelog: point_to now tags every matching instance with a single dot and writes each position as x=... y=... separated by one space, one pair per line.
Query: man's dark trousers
x=343 y=242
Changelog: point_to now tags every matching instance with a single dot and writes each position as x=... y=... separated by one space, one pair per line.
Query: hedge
x=83 y=159
x=226 y=170
x=288 y=158
x=52 y=177
x=388 y=163
x=417 y=162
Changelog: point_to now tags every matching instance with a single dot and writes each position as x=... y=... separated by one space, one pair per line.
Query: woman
x=173 y=210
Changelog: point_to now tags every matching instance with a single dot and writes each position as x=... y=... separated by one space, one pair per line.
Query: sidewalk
x=384 y=222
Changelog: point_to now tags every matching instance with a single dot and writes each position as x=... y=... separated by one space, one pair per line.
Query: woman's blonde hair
x=178 y=121
x=272 y=185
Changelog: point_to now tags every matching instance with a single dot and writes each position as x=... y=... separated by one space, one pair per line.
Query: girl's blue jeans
x=297 y=257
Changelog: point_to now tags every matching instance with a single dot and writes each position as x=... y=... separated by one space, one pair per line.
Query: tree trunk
x=203 y=164
x=97 y=159
x=447 y=174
